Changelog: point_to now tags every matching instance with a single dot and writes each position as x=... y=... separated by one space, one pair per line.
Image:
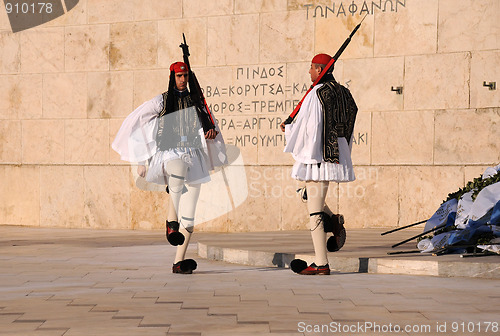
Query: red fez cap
x=178 y=67
x=321 y=59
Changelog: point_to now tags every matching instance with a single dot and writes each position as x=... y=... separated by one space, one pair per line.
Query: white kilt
x=304 y=140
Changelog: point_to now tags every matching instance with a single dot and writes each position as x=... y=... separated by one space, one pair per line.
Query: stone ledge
x=257 y=249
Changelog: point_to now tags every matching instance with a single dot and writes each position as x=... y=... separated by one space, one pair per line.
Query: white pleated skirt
x=195 y=158
x=327 y=171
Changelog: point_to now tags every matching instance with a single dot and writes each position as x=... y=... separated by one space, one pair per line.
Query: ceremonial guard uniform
x=177 y=137
x=320 y=142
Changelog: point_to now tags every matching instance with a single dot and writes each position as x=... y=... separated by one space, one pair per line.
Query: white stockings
x=182 y=203
x=316 y=195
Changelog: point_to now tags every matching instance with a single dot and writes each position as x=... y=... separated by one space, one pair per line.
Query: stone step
x=364 y=252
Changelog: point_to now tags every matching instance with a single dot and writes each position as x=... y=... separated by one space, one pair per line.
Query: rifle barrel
x=403 y=227
x=420 y=235
x=199 y=92
x=325 y=71
x=342 y=48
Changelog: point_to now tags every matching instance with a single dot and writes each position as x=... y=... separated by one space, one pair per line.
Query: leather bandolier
x=180 y=128
x=339 y=116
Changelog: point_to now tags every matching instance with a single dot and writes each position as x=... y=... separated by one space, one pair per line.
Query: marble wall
x=67 y=85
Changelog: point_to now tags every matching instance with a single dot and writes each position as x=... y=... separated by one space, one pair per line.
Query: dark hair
x=193 y=90
x=170 y=93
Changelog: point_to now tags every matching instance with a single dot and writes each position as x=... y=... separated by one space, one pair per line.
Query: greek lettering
x=361 y=138
x=316 y=9
x=255 y=87
x=353 y=8
x=255 y=72
x=270 y=122
x=255 y=122
x=216 y=92
x=280 y=89
x=262 y=138
x=263 y=88
x=247 y=124
x=385 y=5
x=307 y=6
x=271 y=106
x=341 y=7
x=328 y=9
x=279 y=106
x=255 y=102
x=264 y=74
x=238 y=72
x=379 y=6
x=262 y=105
x=364 y=8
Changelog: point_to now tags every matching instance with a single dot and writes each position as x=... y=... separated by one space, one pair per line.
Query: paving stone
x=89 y=282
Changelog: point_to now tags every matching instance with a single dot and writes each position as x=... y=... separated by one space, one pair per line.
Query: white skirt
x=327 y=171
x=195 y=158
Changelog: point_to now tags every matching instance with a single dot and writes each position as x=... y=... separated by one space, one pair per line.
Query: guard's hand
x=282 y=126
x=211 y=134
x=141 y=170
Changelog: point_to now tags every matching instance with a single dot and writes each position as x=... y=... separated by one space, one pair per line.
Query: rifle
x=197 y=87
x=403 y=227
x=437 y=227
x=328 y=69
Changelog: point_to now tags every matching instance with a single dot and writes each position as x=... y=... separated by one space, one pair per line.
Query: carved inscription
x=250 y=109
x=344 y=9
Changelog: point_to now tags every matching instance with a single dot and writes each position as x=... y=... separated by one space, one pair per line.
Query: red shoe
x=313 y=270
x=184 y=267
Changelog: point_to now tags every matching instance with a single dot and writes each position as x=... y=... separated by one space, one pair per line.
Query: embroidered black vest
x=339 y=116
x=180 y=128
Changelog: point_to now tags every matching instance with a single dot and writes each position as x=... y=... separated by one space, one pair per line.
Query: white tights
x=316 y=195
x=184 y=211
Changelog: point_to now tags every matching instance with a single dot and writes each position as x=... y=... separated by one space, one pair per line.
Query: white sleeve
x=136 y=139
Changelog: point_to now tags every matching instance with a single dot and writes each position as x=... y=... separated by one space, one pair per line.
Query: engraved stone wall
x=67 y=85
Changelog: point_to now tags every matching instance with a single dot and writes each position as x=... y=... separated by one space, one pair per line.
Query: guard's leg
x=316 y=195
x=187 y=212
x=175 y=171
x=333 y=222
